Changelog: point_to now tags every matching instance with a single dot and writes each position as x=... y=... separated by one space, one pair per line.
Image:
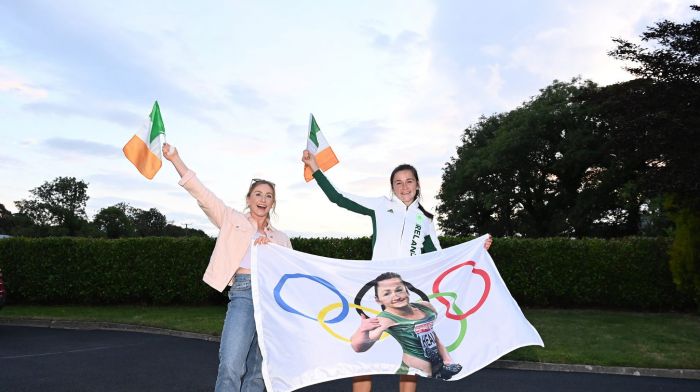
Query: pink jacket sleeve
x=213 y=207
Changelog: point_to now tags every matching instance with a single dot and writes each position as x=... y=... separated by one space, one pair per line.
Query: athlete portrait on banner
x=410 y=323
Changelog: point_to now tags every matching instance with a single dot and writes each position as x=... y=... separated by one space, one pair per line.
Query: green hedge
x=631 y=273
x=97 y=271
x=628 y=273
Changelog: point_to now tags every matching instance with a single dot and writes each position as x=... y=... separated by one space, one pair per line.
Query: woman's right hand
x=170 y=152
x=368 y=324
x=367 y=333
x=309 y=160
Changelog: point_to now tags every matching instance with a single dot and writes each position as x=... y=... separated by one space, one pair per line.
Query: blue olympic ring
x=283 y=304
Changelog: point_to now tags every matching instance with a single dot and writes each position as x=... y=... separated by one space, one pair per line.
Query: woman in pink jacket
x=240 y=360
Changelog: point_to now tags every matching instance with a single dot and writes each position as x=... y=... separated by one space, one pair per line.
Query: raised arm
x=367 y=333
x=212 y=206
x=358 y=204
x=170 y=153
x=309 y=160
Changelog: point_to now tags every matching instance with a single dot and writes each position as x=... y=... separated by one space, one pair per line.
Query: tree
x=674 y=56
x=663 y=106
x=585 y=160
x=113 y=222
x=59 y=203
x=671 y=73
x=172 y=230
x=538 y=170
x=123 y=220
x=19 y=225
x=5 y=216
x=148 y=223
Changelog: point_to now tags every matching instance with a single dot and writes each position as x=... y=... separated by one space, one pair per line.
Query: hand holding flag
x=319 y=148
x=144 y=148
x=170 y=152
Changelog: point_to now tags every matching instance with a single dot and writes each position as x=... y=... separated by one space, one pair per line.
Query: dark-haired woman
x=240 y=361
x=411 y=324
x=401 y=228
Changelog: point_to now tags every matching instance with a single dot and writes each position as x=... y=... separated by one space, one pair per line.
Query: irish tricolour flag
x=316 y=144
x=144 y=148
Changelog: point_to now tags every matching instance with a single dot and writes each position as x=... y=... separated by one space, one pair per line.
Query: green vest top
x=416 y=337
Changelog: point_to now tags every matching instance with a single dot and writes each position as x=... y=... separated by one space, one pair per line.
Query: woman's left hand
x=488 y=243
x=261 y=240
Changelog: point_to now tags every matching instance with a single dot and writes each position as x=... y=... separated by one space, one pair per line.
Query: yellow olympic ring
x=322 y=316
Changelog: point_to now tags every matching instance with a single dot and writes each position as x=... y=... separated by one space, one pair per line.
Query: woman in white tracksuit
x=401 y=227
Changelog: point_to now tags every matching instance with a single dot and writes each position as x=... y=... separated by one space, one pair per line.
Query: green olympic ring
x=458 y=311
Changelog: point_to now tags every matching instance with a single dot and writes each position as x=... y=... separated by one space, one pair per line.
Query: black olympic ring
x=372 y=283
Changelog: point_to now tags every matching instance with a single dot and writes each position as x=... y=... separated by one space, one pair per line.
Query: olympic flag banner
x=443 y=315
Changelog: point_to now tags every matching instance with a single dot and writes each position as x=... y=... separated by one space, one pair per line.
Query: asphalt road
x=40 y=359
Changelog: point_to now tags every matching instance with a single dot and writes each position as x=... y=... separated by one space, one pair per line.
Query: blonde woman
x=240 y=361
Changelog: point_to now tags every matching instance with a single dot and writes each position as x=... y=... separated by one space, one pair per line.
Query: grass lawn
x=595 y=337
x=201 y=319
x=591 y=337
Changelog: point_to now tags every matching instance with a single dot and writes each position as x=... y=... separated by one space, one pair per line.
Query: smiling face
x=392 y=293
x=260 y=200
x=405 y=186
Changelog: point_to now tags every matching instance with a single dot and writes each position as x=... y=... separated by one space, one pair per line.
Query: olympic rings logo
x=452 y=311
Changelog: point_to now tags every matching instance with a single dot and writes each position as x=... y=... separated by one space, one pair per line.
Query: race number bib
x=428 y=341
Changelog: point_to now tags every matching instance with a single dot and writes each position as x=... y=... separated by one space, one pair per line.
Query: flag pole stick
x=308 y=130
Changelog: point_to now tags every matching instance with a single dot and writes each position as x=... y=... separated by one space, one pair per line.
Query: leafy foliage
x=665 y=115
x=673 y=55
x=630 y=273
x=49 y=214
x=148 y=223
x=114 y=223
x=685 y=249
x=583 y=160
x=60 y=202
x=540 y=170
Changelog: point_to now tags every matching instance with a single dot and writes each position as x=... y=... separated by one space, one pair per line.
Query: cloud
x=76 y=55
x=21 y=88
x=401 y=43
x=89 y=110
x=128 y=182
x=247 y=97
x=82 y=147
x=371 y=186
x=295 y=131
x=364 y=132
x=10 y=162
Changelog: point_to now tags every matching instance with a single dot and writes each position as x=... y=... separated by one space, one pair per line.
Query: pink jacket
x=236 y=232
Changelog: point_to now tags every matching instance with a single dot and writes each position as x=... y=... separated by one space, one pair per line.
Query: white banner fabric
x=307 y=309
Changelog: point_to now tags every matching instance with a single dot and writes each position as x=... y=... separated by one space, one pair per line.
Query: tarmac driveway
x=41 y=359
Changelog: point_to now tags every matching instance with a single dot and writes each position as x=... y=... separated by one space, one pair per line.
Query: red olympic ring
x=487 y=289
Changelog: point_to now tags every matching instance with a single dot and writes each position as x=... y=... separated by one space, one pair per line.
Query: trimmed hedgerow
x=148 y=270
x=629 y=273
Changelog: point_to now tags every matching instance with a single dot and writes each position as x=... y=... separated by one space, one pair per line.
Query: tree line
x=57 y=208
x=583 y=160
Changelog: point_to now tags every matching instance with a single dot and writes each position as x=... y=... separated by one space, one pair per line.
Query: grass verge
x=591 y=337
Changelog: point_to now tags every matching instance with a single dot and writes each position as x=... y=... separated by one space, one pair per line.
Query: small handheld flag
x=144 y=148
x=316 y=144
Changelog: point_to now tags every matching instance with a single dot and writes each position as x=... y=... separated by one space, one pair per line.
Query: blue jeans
x=240 y=361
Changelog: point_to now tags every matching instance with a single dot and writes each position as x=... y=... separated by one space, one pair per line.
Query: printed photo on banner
x=443 y=315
